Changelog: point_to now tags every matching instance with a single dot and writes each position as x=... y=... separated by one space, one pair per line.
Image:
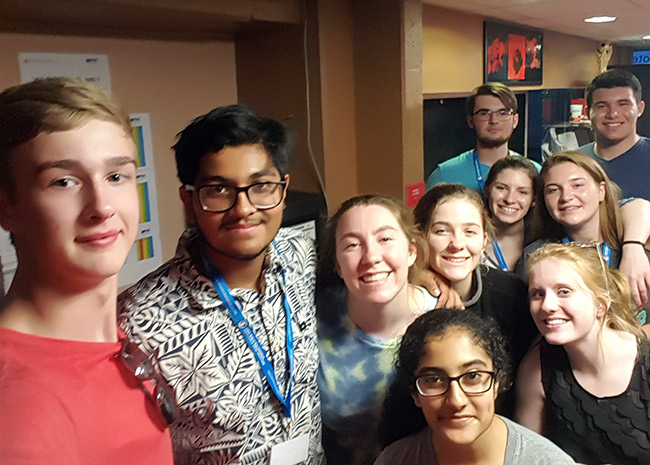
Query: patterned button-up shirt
x=228 y=413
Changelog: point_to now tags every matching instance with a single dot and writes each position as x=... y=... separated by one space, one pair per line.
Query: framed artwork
x=512 y=54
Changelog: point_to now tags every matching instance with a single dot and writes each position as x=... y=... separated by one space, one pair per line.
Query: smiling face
x=511 y=196
x=456 y=238
x=493 y=132
x=243 y=232
x=573 y=199
x=373 y=254
x=75 y=205
x=456 y=418
x=614 y=114
x=562 y=308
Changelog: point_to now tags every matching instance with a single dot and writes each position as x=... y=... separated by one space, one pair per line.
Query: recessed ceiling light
x=646 y=37
x=600 y=19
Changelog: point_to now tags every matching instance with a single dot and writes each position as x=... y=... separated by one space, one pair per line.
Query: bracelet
x=642 y=244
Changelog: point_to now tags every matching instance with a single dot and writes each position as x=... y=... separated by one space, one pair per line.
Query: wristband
x=642 y=244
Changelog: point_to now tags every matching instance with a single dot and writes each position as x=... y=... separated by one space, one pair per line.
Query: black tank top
x=596 y=430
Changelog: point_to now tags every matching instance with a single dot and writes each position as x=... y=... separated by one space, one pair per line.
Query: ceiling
x=567 y=16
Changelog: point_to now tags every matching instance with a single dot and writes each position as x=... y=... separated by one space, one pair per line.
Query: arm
x=529 y=406
x=438 y=287
x=634 y=262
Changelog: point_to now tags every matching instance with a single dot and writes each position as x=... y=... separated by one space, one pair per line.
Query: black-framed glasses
x=218 y=198
x=472 y=382
x=486 y=115
x=144 y=370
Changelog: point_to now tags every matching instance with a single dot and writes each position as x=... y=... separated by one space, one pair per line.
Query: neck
x=487 y=449
x=509 y=230
x=385 y=320
x=490 y=155
x=584 y=233
x=591 y=354
x=464 y=287
x=239 y=274
x=82 y=314
x=609 y=150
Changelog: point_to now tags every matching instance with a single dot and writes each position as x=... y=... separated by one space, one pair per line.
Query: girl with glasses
x=364 y=304
x=451 y=367
x=509 y=195
x=587 y=385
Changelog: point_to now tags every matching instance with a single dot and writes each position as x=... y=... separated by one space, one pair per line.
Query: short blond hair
x=51 y=105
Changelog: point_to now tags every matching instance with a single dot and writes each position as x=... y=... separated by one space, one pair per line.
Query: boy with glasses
x=231 y=316
x=70 y=391
x=492 y=113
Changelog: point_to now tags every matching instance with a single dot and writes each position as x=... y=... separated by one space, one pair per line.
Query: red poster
x=516 y=57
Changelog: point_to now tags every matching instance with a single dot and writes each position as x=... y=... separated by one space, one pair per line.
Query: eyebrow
x=72 y=164
x=446 y=223
x=217 y=179
x=376 y=231
x=471 y=364
x=575 y=178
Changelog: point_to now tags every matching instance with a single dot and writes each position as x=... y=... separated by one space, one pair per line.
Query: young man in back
x=614 y=99
x=492 y=113
x=231 y=316
x=68 y=197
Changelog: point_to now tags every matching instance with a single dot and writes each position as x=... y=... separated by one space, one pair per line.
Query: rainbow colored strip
x=139 y=146
x=143 y=196
x=145 y=248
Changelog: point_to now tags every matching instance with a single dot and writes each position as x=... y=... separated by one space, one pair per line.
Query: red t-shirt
x=71 y=402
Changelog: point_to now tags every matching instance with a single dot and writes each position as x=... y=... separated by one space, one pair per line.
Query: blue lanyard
x=497 y=253
x=605 y=249
x=477 y=170
x=251 y=339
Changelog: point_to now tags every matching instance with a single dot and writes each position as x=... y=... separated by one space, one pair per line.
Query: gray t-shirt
x=524 y=447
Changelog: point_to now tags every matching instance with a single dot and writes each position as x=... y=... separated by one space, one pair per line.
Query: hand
x=439 y=287
x=634 y=263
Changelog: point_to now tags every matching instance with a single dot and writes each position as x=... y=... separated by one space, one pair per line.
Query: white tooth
x=374 y=277
x=555 y=321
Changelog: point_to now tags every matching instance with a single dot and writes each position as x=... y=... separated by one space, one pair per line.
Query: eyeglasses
x=486 y=115
x=599 y=250
x=472 y=382
x=141 y=366
x=218 y=198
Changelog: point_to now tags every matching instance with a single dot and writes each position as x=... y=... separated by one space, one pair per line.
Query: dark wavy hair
x=401 y=417
x=230 y=126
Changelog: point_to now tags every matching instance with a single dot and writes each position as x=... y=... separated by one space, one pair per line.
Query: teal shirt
x=460 y=170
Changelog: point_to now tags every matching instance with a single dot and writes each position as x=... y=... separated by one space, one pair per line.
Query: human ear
x=416 y=399
x=186 y=198
x=8 y=212
x=412 y=256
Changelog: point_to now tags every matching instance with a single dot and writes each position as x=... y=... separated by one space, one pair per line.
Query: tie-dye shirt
x=355 y=371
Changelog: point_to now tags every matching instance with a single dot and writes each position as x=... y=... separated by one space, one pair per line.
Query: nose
x=371 y=252
x=99 y=203
x=549 y=302
x=243 y=207
x=510 y=197
x=456 y=242
x=455 y=395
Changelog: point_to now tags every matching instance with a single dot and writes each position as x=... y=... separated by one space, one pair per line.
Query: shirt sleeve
x=434 y=178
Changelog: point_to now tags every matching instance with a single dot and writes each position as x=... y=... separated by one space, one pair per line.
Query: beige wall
x=172 y=81
x=453 y=54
